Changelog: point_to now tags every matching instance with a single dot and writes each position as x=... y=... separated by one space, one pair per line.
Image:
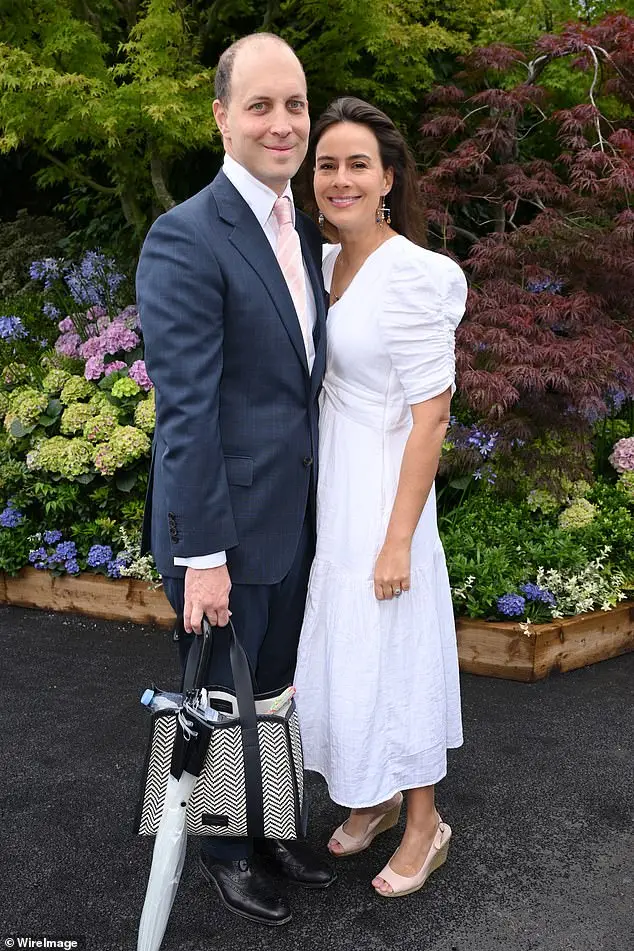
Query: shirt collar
x=259 y=197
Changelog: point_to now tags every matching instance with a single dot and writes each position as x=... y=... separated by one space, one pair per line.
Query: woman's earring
x=383 y=214
x=321 y=220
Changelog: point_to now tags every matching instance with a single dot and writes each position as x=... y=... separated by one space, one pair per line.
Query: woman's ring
x=397 y=592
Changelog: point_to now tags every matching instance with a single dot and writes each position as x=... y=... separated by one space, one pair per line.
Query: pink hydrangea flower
x=622 y=457
x=93 y=347
x=138 y=373
x=68 y=344
x=115 y=365
x=94 y=368
x=93 y=313
x=66 y=325
x=118 y=337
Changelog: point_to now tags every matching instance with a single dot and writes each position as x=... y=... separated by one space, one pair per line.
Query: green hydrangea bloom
x=100 y=427
x=126 y=445
x=27 y=405
x=101 y=401
x=4 y=404
x=575 y=490
x=125 y=387
x=145 y=414
x=77 y=388
x=578 y=514
x=539 y=500
x=75 y=417
x=68 y=457
x=626 y=481
x=54 y=381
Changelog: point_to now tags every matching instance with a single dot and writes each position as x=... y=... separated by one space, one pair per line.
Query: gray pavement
x=540 y=799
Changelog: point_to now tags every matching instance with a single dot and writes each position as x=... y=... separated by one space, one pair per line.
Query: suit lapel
x=319 y=336
x=249 y=239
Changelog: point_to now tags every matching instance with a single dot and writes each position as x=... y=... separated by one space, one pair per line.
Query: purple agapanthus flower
x=46 y=270
x=512 y=605
x=11 y=328
x=11 y=517
x=52 y=536
x=550 y=284
x=98 y=556
x=50 y=310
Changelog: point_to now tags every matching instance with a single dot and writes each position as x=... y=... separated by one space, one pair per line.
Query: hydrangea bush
x=80 y=413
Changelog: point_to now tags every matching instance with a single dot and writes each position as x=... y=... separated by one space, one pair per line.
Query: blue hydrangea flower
x=115 y=566
x=53 y=536
x=99 y=555
x=511 y=605
x=64 y=551
x=72 y=567
x=11 y=328
x=38 y=554
x=11 y=517
x=533 y=592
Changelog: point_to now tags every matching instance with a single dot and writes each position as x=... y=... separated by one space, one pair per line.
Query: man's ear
x=220 y=115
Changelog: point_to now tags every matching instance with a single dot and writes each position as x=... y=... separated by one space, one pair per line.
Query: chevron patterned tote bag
x=249 y=763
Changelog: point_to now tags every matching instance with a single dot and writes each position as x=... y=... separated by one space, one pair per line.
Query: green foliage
x=24 y=240
x=15 y=545
x=502 y=544
x=112 y=98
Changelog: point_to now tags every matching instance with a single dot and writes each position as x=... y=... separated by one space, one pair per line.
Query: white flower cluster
x=140 y=566
x=593 y=587
x=461 y=593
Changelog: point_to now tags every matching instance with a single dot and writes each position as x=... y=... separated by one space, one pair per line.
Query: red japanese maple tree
x=537 y=203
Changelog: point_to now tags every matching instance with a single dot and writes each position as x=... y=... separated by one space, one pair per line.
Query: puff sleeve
x=424 y=302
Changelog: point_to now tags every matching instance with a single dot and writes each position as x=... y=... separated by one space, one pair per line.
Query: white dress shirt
x=260 y=200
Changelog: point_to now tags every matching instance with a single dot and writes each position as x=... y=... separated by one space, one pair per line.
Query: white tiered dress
x=377 y=681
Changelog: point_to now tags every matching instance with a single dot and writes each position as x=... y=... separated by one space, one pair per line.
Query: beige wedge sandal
x=406 y=885
x=351 y=845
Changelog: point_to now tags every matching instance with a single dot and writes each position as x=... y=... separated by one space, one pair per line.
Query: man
x=233 y=312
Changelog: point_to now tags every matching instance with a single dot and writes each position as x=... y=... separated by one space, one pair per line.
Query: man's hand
x=206 y=592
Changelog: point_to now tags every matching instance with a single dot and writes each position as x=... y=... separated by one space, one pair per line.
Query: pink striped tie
x=289 y=256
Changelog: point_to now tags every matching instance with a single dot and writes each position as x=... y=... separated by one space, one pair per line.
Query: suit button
x=308 y=461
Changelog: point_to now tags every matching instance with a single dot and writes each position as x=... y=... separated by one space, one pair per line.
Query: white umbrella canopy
x=168 y=859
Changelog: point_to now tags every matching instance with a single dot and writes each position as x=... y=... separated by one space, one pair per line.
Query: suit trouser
x=268 y=621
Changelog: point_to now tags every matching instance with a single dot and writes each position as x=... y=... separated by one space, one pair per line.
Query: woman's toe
x=335 y=847
x=381 y=885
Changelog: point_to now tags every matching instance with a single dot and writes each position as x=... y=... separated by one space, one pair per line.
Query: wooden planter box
x=501 y=649
x=95 y=595
x=492 y=649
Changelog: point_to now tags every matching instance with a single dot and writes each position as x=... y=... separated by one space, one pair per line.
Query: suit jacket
x=234 y=462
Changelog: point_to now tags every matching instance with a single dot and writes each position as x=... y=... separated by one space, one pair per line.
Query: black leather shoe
x=245 y=891
x=297 y=862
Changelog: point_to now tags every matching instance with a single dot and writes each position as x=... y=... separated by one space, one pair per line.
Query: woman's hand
x=392 y=571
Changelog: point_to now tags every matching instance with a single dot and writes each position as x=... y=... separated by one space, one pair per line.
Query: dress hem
x=383 y=797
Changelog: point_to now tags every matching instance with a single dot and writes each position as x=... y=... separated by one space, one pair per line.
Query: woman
x=377 y=676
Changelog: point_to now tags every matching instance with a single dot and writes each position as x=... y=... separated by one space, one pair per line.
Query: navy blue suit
x=234 y=463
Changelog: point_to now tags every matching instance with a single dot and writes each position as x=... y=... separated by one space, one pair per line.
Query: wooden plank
x=95 y=595
x=585 y=639
x=495 y=650
x=498 y=649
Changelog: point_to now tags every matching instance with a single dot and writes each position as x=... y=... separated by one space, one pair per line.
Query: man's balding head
x=226 y=63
